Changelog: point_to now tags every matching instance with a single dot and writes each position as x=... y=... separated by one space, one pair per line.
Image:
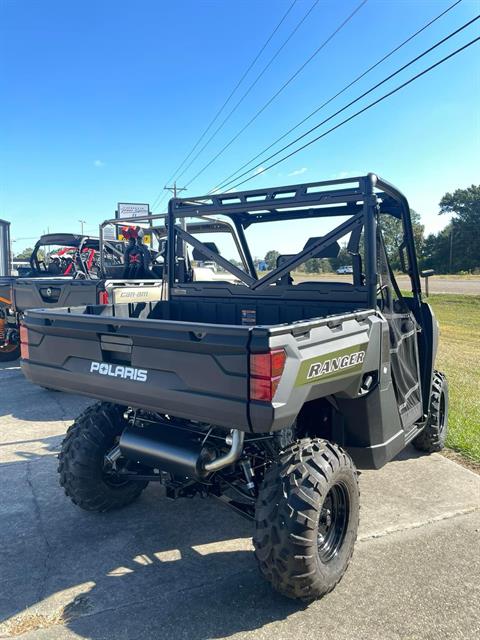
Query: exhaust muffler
x=168 y=449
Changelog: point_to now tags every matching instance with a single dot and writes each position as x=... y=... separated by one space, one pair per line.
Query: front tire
x=433 y=436
x=82 y=461
x=306 y=519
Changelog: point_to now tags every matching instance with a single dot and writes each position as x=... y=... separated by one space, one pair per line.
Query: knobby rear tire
x=81 y=460
x=289 y=513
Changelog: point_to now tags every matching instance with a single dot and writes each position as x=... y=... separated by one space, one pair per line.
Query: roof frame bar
x=272 y=198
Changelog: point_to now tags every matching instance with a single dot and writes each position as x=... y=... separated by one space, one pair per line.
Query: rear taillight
x=24 y=350
x=265 y=372
x=103 y=297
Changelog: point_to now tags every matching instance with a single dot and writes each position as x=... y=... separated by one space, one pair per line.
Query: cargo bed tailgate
x=190 y=370
x=32 y=293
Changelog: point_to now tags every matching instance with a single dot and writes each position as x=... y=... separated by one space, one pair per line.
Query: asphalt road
x=185 y=570
x=437 y=284
x=449 y=284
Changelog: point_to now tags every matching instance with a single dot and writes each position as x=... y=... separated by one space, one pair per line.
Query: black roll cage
x=75 y=241
x=362 y=198
x=207 y=225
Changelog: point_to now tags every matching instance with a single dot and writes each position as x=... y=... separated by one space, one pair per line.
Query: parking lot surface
x=185 y=569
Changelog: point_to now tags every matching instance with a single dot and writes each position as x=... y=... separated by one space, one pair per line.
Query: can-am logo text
x=319 y=369
x=119 y=371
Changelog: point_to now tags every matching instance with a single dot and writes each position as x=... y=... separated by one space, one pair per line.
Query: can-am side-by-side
x=65 y=269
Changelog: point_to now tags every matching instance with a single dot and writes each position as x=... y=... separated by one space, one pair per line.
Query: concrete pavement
x=186 y=569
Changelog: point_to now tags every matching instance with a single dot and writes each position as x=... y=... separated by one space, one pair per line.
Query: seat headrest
x=281 y=259
x=331 y=251
x=198 y=254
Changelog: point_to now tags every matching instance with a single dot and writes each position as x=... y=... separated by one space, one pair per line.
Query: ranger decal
x=329 y=366
x=333 y=365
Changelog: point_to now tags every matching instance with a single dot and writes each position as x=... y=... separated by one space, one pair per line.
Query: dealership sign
x=131 y=210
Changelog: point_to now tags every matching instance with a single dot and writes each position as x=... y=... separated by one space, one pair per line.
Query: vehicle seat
x=330 y=251
x=286 y=280
x=54 y=268
x=136 y=262
x=114 y=271
x=198 y=255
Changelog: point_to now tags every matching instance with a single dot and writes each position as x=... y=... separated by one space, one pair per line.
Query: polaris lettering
x=119 y=371
x=319 y=369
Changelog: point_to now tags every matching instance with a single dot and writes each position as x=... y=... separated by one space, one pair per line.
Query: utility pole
x=183 y=222
x=175 y=189
x=82 y=222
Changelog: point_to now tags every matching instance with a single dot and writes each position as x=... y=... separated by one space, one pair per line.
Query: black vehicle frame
x=363 y=199
x=364 y=202
x=75 y=241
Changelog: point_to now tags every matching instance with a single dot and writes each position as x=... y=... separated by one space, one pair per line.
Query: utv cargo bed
x=143 y=356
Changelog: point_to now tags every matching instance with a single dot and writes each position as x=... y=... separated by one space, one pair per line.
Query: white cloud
x=341 y=175
x=98 y=163
x=259 y=170
x=298 y=172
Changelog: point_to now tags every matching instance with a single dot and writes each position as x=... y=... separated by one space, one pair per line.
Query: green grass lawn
x=459 y=357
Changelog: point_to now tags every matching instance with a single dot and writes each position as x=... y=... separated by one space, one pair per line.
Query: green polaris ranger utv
x=265 y=393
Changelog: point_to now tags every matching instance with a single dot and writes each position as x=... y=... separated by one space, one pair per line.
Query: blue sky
x=101 y=100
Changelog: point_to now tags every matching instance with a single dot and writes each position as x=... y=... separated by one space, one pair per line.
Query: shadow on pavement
x=29 y=402
x=186 y=569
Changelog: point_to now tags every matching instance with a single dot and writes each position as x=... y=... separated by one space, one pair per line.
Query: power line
x=253 y=84
x=161 y=197
x=242 y=78
x=234 y=89
x=389 y=77
x=227 y=180
x=369 y=106
x=290 y=79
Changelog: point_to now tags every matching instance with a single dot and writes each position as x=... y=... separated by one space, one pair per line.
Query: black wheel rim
x=113 y=479
x=333 y=522
x=442 y=413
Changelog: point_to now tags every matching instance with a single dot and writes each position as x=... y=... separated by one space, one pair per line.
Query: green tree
x=392 y=231
x=271 y=258
x=436 y=251
x=342 y=260
x=464 y=206
x=24 y=254
x=317 y=265
x=313 y=265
